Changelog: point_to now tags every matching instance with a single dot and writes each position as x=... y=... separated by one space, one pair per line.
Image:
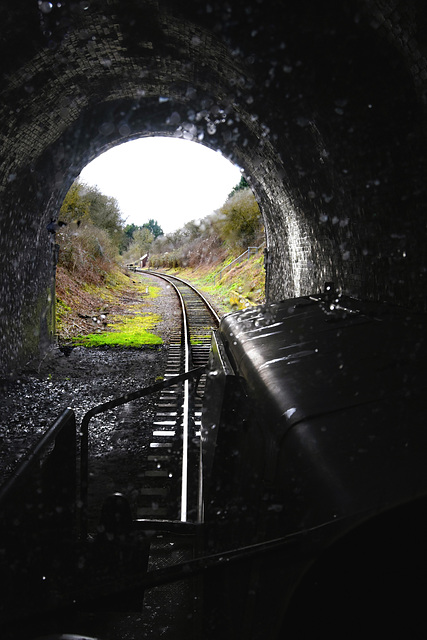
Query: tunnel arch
x=321 y=107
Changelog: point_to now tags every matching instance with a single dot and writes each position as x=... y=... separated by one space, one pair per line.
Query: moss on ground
x=124 y=332
x=122 y=298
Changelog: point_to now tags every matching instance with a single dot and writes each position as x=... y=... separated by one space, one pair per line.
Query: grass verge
x=116 y=313
x=237 y=287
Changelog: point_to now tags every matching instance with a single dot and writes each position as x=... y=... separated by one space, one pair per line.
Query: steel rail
x=199 y=293
x=186 y=402
x=170 y=280
x=107 y=406
x=186 y=408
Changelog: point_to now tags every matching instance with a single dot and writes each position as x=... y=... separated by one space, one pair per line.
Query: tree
x=140 y=244
x=239 y=187
x=154 y=227
x=74 y=208
x=104 y=213
x=130 y=229
x=192 y=230
x=87 y=205
x=128 y=232
x=143 y=238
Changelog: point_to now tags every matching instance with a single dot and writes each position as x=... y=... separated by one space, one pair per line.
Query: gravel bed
x=81 y=378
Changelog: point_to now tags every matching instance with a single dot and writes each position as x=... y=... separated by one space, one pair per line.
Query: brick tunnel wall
x=324 y=108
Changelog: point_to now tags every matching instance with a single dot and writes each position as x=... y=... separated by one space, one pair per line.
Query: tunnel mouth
x=95 y=238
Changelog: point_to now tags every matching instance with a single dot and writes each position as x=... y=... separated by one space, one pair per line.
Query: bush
x=87 y=251
x=237 y=225
x=86 y=205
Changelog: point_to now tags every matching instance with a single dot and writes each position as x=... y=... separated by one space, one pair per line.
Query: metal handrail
x=246 y=253
x=64 y=421
x=106 y=406
x=38 y=514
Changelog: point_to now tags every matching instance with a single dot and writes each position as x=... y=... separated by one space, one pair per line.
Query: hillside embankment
x=232 y=283
x=122 y=311
x=100 y=303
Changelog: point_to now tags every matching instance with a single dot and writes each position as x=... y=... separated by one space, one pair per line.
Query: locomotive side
x=316 y=456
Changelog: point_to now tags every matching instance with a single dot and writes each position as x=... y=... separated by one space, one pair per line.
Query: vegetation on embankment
x=227 y=232
x=101 y=303
x=202 y=251
x=230 y=287
x=115 y=313
x=97 y=301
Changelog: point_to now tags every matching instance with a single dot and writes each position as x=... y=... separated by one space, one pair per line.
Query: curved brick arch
x=323 y=108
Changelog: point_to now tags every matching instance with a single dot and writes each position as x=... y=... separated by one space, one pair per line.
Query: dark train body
x=314 y=459
x=320 y=438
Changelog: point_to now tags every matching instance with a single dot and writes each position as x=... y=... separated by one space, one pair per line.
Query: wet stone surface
x=81 y=380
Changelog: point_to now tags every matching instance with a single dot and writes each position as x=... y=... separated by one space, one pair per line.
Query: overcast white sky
x=168 y=179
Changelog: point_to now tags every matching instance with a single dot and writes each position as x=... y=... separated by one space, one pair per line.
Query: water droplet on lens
x=45 y=7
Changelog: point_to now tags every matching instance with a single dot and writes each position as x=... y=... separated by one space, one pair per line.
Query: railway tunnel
x=322 y=105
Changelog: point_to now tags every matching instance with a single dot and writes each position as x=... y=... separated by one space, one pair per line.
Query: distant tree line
x=95 y=238
x=139 y=239
x=239 y=187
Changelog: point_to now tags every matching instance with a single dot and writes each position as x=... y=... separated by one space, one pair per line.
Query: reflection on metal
x=198 y=319
x=106 y=406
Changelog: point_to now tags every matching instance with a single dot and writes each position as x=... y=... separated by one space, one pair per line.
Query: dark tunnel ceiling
x=137 y=53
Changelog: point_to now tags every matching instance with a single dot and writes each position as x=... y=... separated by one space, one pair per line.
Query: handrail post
x=106 y=406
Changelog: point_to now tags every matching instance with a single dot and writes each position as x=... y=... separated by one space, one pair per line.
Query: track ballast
x=172 y=469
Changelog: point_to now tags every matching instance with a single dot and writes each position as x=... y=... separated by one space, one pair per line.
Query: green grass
x=127 y=332
x=240 y=286
x=62 y=310
x=200 y=338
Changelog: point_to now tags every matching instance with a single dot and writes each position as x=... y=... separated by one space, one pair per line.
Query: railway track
x=168 y=506
x=172 y=486
x=167 y=479
x=172 y=475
